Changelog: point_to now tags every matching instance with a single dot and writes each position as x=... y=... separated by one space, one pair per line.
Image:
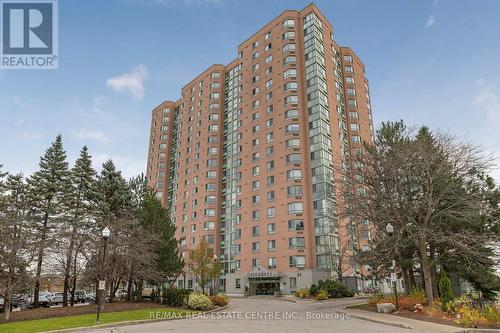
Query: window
x=268 y=47
x=255 y=91
x=269 y=109
x=270 y=165
x=255 y=247
x=269 y=136
x=255 y=44
x=255 y=170
x=255 y=262
x=256 y=199
x=294 y=174
x=215 y=75
x=290 y=73
x=293 y=99
x=214 y=95
x=271 y=228
x=237 y=283
x=292 y=128
x=210 y=199
x=255 y=215
x=355 y=127
x=288 y=47
x=297 y=261
x=270 y=181
x=269 y=58
x=293 y=143
x=348 y=69
x=271 y=262
x=269 y=96
x=293 y=113
x=209 y=212
x=293 y=283
x=288 y=35
x=288 y=24
x=269 y=150
x=356 y=139
x=255 y=104
x=209 y=225
x=295 y=191
x=296 y=225
x=296 y=242
x=271 y=212
x=289 y=60
x=210 y=187
x=213 y=128
x=214 y=85
x=269 y=84
x=255 y=55
x=293 y=159
x=353 y=115
x=271 y=245
x=211 y=174
x=255 y=185
x=256 y=129
x=269 y=70
x=351 y=103
x=269 y=122
x=349 y=80
x=255 y=230
x=290 y=86
x=267 y=36
x=212 y=151
x=211 y=162
x=351 y=92
x=295 y=208
x=347 y=58
x=255 y=116
x=255 y=156
x=255 y=142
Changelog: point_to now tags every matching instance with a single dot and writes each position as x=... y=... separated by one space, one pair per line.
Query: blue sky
x=428 y=62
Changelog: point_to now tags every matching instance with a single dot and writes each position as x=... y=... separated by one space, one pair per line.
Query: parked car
x=56 y=298
x=81 y=296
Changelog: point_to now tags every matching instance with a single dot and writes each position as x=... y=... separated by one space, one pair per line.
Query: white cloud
x=19 y=102
x=430 y=21
x=130 y=167
x=98 y=136
x=31 y=135
x=486 y=102
x=132 y=82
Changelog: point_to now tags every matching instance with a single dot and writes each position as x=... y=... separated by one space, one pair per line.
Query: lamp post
x=214 y=277
x=390 y=230
x=102 y=281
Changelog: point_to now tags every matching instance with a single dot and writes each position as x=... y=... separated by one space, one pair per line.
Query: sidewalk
x=392 y=320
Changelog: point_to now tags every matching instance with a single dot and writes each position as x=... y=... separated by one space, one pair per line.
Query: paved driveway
x=257 y=314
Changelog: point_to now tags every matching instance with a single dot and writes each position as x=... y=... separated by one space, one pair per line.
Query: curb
x=128 y=323
x=373 y=320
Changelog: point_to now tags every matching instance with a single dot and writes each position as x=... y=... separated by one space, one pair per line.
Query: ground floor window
x=293 y=283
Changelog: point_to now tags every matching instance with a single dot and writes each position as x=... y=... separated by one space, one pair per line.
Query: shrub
x=321 y=295
x=455 y=305
x=469 y=317
x=408 y=302
x=375 y=298
x=492 y=314
x=335 y=288
x=174 y=296
x=219 y=300
x=198 y=301
x=302 y=293
x=313 y=290
x=445 y=291
x=419 y=295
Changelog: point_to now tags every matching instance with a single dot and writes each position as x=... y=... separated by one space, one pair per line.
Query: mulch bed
x=43 y=313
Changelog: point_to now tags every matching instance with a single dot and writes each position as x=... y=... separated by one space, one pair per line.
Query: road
x=252 y=315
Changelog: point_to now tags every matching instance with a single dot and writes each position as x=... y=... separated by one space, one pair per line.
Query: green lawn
x=40 y=325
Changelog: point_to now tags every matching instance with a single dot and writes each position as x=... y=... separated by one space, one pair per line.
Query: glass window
x=295 y=208
x=297 y=261
x=296 y=225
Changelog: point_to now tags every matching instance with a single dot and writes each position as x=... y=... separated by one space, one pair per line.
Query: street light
x=390 y=230
x=214 y=277
x=102 y=282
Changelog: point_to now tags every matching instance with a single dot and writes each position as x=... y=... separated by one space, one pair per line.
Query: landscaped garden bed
x=324 y=290
x=458 y=312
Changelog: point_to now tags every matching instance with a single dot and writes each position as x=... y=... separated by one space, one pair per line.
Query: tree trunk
x=406 y=280
x=129 y=287
x=67 y=269
x=426 y=269
x=73 y=285
x=413 y=283
x=8 y=297
x=36 y=294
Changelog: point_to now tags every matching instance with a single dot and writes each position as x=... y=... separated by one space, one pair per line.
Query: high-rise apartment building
x=253 y=156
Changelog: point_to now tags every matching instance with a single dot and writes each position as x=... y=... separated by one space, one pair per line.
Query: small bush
x=321 y=295
x=313 y=290
x=302 y=293
x=198 y=301
x=469 y=317
x=408 y=302
x=419 y=295
x=455 y=305
x=219 y=300
x=174 y=296
x=492 y=314
x=334 y=288
x=375 y=298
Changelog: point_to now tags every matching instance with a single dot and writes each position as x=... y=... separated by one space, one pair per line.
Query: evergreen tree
x=48 y=189
x=81 y=206
x=445 y=291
